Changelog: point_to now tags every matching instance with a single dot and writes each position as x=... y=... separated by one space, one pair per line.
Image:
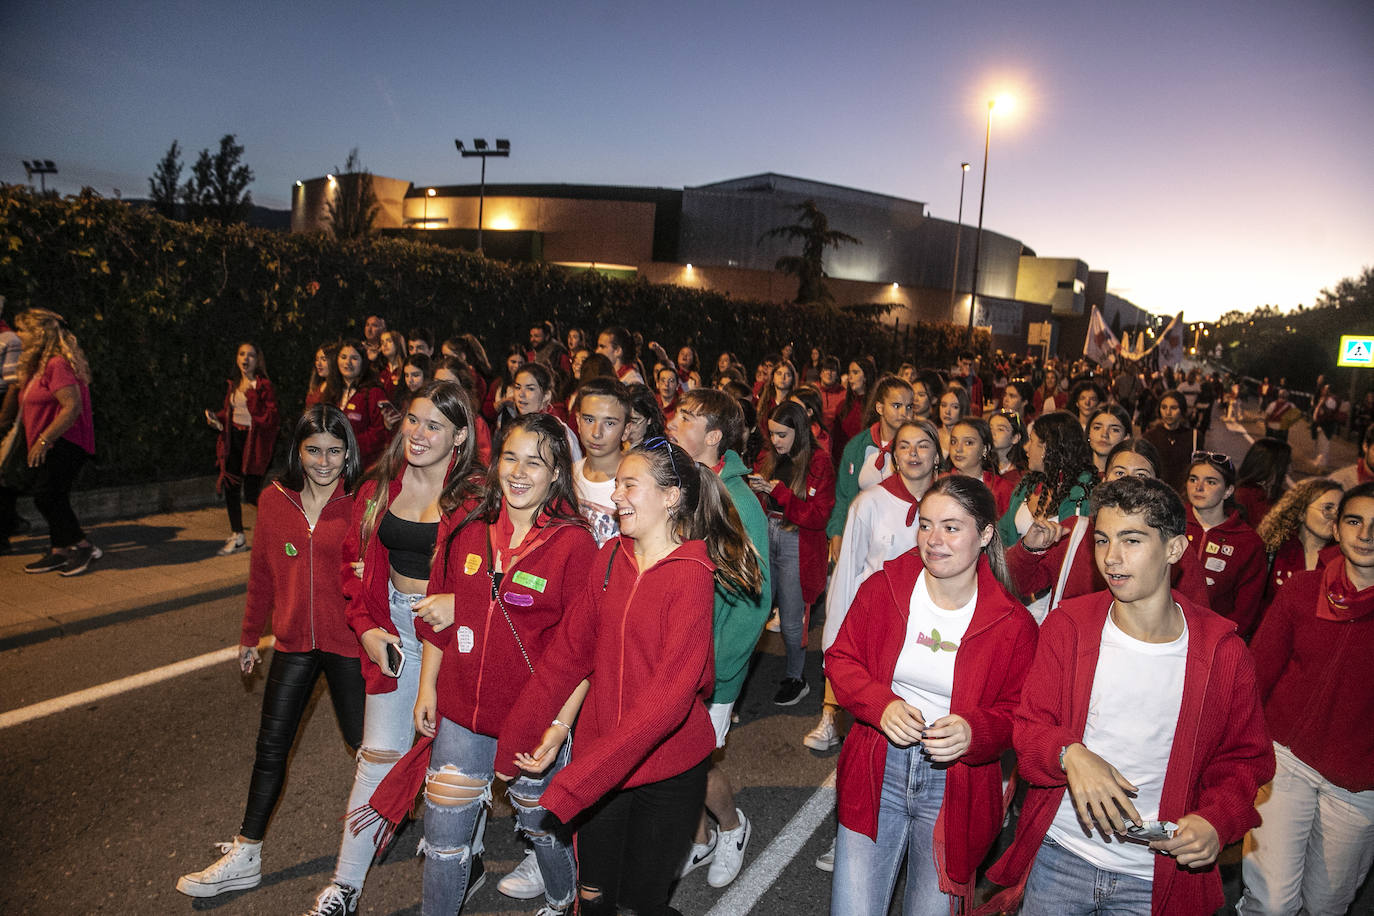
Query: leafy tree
x=218 y=187
x=813 y=229
x=353 y=207
x=165 y=185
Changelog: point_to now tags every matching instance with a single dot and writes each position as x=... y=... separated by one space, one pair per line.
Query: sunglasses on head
x=1216 y=459
x=658 y=442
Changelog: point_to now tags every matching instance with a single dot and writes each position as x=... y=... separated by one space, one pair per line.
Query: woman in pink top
x=55 y=408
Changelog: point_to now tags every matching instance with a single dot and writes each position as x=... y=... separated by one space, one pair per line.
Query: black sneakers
x=79 y=559
x=791 y=691
x=47 y=563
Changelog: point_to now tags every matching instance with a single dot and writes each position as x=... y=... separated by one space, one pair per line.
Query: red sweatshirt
x=364 y=413
x=1033 y=573
x=810 y=514
x=1221 y=751
x=293 y=576
x=831 y=399
x=644 y=639
x=993 y=658
x=1314 y=679
x=1291 y=559
x=483 y=670
x=1234 y=565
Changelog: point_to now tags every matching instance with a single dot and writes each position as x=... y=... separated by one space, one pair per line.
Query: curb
x=68 y=624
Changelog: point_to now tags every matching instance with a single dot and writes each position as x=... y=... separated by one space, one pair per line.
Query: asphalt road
x=108 y=803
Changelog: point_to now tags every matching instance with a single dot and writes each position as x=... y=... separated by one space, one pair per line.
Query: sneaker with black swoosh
x=701 y=854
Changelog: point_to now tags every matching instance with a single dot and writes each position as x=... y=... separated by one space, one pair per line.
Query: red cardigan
x=262 y=432
x=293 y=576
x=1314 y=679
x=810 y=514
x=1234 y=565
x=1221 y=751
x=644 y=639
x=1033 y=573
x=483 y=670
x=848 y=424
x=993 y=658
x=364 y=413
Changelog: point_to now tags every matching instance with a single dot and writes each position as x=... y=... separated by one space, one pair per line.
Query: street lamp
x=479 y=148
x=429 y=192
x=1004 y=102
x=958 y=237
x=42 y=168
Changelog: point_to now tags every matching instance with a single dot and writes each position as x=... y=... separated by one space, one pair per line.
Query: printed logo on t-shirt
x=935 y=643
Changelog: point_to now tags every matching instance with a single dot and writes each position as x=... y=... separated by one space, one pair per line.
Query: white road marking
x=123 y=685
x=746 y=890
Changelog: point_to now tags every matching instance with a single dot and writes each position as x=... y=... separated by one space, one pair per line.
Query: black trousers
x=634 y=842
x=52 y=492
x=290 y=681
x=237 y=493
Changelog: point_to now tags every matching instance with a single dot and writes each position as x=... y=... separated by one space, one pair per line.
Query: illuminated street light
x=480 y=149
x=1006 y=103
x=42 y=168
x=958 y=237
x=429 y=192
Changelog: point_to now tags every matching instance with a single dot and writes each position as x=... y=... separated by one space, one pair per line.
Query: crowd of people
x=1051 y=607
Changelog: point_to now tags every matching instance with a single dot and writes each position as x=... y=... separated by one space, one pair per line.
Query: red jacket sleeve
x=262 y=405
x=992 y=725
x=373 y=439
x=1033 y=572
x=849 y=661
x=258 y=606
x=1038 y=731
x=355 y=601
x=1250 y=589
x=813 y=510
x=1273 y=642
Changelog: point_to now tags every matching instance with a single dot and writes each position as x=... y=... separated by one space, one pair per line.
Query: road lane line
x=123 y=685
x=746 y=890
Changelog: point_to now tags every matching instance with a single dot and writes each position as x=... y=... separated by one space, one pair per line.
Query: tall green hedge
x=159 y=307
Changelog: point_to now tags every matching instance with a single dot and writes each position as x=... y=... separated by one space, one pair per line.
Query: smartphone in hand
x=394 y=659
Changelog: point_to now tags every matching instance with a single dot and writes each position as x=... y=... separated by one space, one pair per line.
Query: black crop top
x=410 y=544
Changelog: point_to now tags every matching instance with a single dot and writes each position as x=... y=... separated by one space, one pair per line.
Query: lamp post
x=958 y=237
x=42 y=168
x=993 y=104
x=479 y=148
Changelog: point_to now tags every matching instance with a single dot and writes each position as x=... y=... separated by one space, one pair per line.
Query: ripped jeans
x=453 y=819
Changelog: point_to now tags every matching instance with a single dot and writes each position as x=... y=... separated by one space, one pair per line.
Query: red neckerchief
x=883 y=448
x=1338 y=599
x=897 y=487
x=503 y=529
x=719 y=466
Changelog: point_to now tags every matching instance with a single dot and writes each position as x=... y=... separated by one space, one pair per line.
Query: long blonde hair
x=58 y=340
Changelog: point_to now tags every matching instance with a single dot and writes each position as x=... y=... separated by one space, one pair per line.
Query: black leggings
x=52 y=492
x=633 y=845
x=248 y=489
x=290 y=681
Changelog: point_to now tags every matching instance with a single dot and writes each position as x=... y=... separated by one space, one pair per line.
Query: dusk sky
x=1210 y=156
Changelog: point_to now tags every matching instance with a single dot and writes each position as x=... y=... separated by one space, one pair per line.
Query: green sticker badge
x=290 y=549
x=530 y=581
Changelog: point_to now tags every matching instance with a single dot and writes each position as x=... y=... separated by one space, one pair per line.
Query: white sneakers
x=236 y=543
x=701 y=854
x=826 y=860
x=729 y=856
x=823 y=737
x=238 y=869
x=525 y=882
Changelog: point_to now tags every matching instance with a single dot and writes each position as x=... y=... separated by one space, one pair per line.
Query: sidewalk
x=151 y=564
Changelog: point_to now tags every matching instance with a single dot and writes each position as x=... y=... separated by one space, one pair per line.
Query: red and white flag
x=1100 y=346
x=1170 y=346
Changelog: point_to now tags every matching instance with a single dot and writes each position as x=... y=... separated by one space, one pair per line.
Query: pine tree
x=165 y=185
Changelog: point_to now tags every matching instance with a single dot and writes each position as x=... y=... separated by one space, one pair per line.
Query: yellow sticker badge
x=472 y=564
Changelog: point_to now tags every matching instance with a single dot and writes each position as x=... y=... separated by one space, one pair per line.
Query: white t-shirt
x=924 y=675
x=1132 y=714
x=594 y=497
x=875 y=531
x=869 y=475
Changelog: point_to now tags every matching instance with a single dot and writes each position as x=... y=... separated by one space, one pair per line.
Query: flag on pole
x=1100 y=346
x=1170 y=346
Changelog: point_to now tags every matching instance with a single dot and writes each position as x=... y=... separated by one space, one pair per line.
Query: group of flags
x=1102 y=347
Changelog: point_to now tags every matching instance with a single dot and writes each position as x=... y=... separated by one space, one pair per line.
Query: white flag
x=1100 y=346
x=1170 y=344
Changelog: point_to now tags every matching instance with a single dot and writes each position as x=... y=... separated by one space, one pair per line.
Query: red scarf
x=897 y=487
x=884 y=449
x=1338 y=599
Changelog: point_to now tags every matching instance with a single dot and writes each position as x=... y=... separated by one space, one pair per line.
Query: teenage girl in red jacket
x=294 y=579
x=641 y=632
x=506 y=573
x=930 y=661
x=1232 y=555
x=247 y=425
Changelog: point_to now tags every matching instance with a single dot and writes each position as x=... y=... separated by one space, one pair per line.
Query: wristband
x=563 y=724
x=1062 y=751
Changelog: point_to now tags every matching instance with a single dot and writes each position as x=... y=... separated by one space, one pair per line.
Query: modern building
x=716 y=237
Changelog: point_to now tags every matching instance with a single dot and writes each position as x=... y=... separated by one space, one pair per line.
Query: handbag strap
x=496 y=596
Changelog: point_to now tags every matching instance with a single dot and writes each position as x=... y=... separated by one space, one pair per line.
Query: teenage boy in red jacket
x=1143 y=706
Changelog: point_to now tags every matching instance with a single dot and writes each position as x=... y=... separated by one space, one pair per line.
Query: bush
x=160 y=306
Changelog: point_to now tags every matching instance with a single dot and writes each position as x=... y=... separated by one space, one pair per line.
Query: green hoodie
x=739 y=619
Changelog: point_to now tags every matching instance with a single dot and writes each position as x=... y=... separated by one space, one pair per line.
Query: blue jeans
x=1063 y=884
x=866 y=871
x=388 y=727
x=451 y=830
x=784 y=560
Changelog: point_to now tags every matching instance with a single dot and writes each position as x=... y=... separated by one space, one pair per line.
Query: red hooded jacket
x=1234 y=567
x=644 y=639
x=993 y=658
x=1221 y=752
x=262 y=432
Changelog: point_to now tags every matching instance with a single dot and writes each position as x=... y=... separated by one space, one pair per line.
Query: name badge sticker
x=530 y=581
x=472 y=564
x=518 y=598
x=465 y=639
x=1215 y=564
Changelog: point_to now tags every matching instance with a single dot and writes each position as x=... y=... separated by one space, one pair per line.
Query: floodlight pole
x=481 y=150
x=978 y=243
x=42 y=168
x=958 y=237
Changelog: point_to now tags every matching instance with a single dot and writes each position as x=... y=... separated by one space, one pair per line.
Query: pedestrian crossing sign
x=1356 y=351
